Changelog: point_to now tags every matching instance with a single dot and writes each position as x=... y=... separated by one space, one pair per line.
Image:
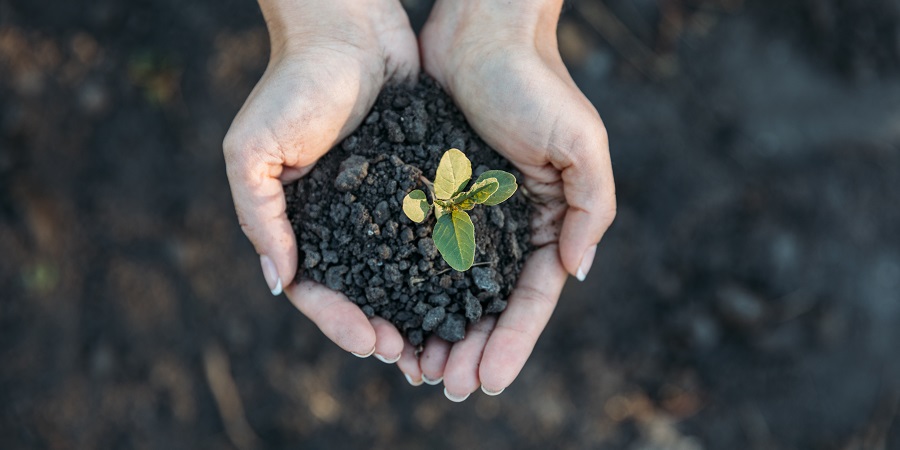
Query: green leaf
x=416 y=206
x=507 y=186
x=453 y=172
x=454 y=237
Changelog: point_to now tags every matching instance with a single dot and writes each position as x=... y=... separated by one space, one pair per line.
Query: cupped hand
x=329 y=60
x=501 y=65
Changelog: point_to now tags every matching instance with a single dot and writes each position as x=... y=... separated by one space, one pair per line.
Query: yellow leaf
x=415 y=206
x=453 y=172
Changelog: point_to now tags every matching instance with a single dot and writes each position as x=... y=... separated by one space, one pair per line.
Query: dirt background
x=747 y=297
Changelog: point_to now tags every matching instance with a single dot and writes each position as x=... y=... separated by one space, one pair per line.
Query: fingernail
x=586 y=261
x=492 y=393
x=358 y=355
x=387 y=361
x=454 y=398
x=410 y=380
x=271 y=274
x=431 y=382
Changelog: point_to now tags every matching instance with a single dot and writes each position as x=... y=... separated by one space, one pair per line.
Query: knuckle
x=231 y=144
x=534 y=296
x=602 y=135
x=608 y=213
x=594 y=142
x=249 y=230
x=245 y=158
x=234 y=150
x=609 y=204
x=518 y=331
x=582 y=145
x=326 y=316
x=245 y=226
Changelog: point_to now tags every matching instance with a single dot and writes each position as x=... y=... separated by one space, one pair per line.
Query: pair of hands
x=500 y=63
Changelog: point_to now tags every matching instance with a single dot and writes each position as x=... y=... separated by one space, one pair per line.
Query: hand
x=501 y=65
x=329 y=60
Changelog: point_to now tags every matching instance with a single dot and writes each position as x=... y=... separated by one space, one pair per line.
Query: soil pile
x=354 y=238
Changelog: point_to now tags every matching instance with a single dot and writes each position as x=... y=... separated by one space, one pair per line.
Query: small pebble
x=427 y=248
x=433 y=318
x=351 y=173
x=439 y=300
x=484 y=279
x=453 y=328
x=473 y=308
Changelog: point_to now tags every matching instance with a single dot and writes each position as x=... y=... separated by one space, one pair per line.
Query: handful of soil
x=354 y=238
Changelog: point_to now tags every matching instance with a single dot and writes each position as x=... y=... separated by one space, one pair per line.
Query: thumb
x=253 y=174
x=590 y=194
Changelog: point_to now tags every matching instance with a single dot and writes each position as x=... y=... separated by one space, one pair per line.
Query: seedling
x=454 y=233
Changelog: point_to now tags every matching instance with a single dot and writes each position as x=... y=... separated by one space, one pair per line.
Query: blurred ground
x=748 y=295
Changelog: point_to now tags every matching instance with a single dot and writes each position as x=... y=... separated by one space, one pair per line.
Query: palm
x=521 y=127
x=310 y=99
x=317 y=89
x=521 y=100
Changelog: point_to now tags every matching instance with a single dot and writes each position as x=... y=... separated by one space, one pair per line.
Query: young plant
x=454 y=233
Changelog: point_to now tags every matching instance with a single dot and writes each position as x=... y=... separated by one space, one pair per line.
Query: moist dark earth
x=746 y=296
x=354 y=238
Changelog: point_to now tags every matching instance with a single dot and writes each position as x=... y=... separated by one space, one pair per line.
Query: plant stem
x=414 y=281
x=478 y=264
x=531 y=198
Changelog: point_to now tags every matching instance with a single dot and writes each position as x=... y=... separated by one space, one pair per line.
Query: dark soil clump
x=353 y=236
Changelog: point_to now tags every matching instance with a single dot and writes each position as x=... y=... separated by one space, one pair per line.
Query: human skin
x=329 y=60
x=499 y=61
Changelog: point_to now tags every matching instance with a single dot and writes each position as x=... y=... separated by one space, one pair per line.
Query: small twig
x=641 y=57
x=444 y=271
x=228 y=399
x=417 y=280
x=428 y=184
x=527 y=194
x=478 y=264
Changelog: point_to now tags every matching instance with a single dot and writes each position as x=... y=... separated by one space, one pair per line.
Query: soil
x=354 y=238
x=746 y=296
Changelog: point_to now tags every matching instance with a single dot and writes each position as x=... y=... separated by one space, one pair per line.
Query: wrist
x=459 y=33
x=294 y=24
x=532 y=21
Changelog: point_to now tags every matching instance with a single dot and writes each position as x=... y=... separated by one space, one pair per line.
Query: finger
x=530 y=306
x=590 y=194
x=339 y=319
x=433 y=359
x=409 y=365
x=461 y=372
x=388 y=342
x=260 y=204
